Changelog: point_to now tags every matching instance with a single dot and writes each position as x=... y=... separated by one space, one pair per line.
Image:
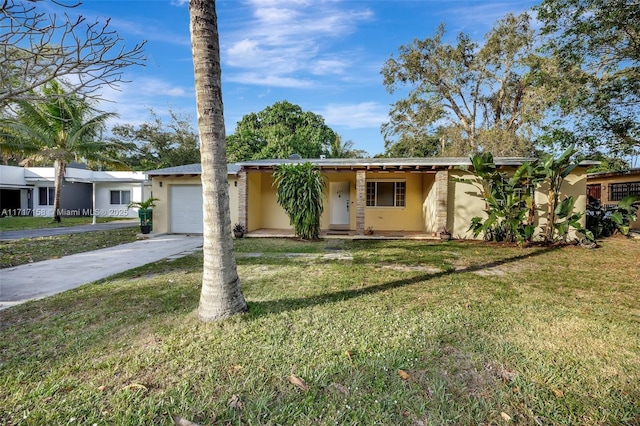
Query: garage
x=186 y=209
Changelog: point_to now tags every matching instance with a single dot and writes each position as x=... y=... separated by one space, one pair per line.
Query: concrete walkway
x=64 y=230
x=41 y=279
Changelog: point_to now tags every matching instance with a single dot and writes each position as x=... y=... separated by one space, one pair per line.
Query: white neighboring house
x=29 y=191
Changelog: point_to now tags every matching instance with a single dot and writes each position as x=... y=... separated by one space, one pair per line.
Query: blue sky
x=324 y=55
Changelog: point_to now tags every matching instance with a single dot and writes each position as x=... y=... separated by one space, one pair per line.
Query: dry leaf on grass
x=135 y=386
x=505 y=416
x=558 y=393
x=403 y=375
x=234 y=402
x=297 y=381
x=179 y=421
x=340 y=388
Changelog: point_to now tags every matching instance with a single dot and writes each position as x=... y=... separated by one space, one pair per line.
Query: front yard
x=391 y=332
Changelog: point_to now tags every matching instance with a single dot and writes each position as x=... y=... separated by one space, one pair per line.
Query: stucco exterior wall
x=407 y=218
x=104 y=208
x=254 y=201
x=162 y=210
x=574 y=185
x=465 y=203
x=430 y=203
x=349 y=177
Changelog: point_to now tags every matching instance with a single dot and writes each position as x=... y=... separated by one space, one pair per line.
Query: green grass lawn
x=28 y=250
x=15 y=223
x=405 y=333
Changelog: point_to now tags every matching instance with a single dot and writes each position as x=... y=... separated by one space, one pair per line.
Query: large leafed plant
x=299 y=189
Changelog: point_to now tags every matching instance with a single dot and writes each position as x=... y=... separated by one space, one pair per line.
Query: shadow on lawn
x=282 y=305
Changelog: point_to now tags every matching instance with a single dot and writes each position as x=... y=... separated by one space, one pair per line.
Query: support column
x=442 y=195
x=242 y=199
x=361 y=200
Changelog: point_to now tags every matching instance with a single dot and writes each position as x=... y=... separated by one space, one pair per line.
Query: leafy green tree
x=299 y=190
x=279 y=131
x=63 y=129
x=155 y=144
x=597 y=43
x=488 y=96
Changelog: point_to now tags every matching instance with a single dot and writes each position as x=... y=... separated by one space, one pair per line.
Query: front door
x=339 y=204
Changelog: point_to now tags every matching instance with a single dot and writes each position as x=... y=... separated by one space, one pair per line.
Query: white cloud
x=289 y=39
x=356 y=116
x=268 y=80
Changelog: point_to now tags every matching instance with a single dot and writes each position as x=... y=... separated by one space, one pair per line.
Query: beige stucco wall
x=408 y=218
x=429 y=205
x=574 y=185
x=464 y=203
x=161 y=219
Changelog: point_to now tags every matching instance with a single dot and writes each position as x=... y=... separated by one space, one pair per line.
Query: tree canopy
x=597 y=43
x=155 y=144
x=37 y=47
x=278 y=131
x=476 y=96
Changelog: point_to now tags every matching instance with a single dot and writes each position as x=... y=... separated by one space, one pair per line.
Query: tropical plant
x=509 y=200
x=606 y=221
x=299 y=190
x=553 y=170
x=144 y=209
x=62 y=129
x=565 y=218
x=221 y=295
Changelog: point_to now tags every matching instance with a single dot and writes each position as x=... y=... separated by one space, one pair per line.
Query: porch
x=350 y=235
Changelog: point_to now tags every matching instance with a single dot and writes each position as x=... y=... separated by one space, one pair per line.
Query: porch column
x=361 y=200
x=442 y=195
x=242 y=199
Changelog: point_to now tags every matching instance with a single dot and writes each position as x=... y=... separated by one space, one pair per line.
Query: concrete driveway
x=41 y=279
x=64 y=230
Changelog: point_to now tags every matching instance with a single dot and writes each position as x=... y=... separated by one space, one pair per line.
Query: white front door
x=339 y=204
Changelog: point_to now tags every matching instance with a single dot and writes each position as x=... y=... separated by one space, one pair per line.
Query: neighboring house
x=29 y=191
x=412 y=195
x=608 y=188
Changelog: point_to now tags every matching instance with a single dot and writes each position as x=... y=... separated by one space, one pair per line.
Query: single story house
x=608 y=188
x=405 y=195
x=29 y=191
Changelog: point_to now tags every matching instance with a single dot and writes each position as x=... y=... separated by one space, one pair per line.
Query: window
x=617 y=191
x=46 y=195
x=120 y=197
x=386 y=193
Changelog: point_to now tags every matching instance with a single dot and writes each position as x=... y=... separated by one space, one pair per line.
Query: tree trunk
x=59 y=168
x=221 y=295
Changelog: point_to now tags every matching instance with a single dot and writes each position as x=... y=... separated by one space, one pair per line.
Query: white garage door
x=186 y=209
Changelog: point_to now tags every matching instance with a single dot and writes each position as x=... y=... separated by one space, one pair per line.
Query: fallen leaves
x=298 y=382
x=403 y=374
x=235 y=402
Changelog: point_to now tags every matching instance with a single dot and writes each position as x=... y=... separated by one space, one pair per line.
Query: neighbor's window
x=120 y=197
x=386 y=193
x=46 y=195
x=617 y=191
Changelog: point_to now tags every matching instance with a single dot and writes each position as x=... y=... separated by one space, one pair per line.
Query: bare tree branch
x=37 y=47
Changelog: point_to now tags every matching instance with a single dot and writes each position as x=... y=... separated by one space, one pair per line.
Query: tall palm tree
x=58 y=131
x=221 y=295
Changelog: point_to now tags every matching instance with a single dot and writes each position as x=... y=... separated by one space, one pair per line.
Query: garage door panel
x=186 y=209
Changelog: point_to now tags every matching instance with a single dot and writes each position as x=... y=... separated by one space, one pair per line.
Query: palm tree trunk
x=59 y=168
x=221 y=295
